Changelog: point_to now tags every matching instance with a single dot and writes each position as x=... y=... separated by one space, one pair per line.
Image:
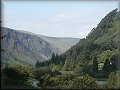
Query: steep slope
x=28 y=48
x=103 y=38
x=62 y=43
x=102 y=45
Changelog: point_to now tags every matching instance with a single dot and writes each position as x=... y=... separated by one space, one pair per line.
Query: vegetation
x=17 y=75
x=114 y=81
x=94 y=57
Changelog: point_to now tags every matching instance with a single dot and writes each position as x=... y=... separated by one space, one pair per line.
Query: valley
x=65 y=63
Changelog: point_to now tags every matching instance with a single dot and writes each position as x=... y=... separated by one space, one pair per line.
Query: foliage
x=96 y=56
x=17 y=74
x=95 y=65
x=114 y=81
x=84 y=82
x=41 y=71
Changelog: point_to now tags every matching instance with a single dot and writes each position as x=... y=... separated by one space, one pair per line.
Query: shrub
x=84 y=82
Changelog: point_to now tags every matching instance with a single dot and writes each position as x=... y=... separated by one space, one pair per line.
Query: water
x=101 y=82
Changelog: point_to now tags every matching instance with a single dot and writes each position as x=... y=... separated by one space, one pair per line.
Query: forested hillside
x=96 y=55
x=101 y=43
x=93 y=59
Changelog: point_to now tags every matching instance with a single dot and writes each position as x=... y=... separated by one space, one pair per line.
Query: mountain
x=100 y=49
x=93 y=63
x=26 y=47
x=63 y=43
x=104 y=39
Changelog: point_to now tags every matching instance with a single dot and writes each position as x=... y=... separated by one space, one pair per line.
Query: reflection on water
x=101 y=82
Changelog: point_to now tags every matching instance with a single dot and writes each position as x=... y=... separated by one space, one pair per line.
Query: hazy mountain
x=63 y=43
x=27 y=47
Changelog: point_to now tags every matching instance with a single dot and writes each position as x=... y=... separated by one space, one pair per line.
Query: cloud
x=75 y=22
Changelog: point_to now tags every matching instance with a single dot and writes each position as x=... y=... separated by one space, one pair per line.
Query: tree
x=107 y=68
x=95 y=65
x=115 y=62
x=56 y=59
x=53 y=58
x=17 y=74
x=37 y=64
x=85 y=82
x=87 y=55
x=113 y=80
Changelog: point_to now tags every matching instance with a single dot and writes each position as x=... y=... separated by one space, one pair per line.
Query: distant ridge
x=27 y=47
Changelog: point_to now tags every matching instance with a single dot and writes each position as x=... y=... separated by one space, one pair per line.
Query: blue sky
x=56 y=18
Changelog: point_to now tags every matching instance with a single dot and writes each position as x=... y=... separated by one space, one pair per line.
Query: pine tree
x=95 y=65
x=107 y=66
x=53 y=58
x=37 y=64
x=56 y=59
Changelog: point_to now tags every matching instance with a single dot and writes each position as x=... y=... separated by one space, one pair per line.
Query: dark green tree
x=56 y=59
x=37 y=64
x=85 y=82
x=53 y=58
x=113 y=81
x=95 y=64
x=107 y=67
x=17 y=74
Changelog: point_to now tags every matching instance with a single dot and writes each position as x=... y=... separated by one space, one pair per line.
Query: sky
x=56 y=18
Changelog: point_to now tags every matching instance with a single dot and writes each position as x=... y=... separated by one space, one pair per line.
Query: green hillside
x=101 y=46
x=104 y=38
x=93 y=63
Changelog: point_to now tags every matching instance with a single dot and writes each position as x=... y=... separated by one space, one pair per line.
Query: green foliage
x=96 y=55
x=84 y=82
x=55 y=59
x=107 y=54
x=107 y=67
x=41 y=71
x=114 y=80
x=54 y=80
x=38 y=72
x=17 y=74
x=95 y=65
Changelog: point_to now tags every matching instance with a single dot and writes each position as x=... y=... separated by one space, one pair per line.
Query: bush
x=84 y=82
x=114 y=80
x=17 y=74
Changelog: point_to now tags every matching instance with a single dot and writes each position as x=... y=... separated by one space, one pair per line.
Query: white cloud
x=76 y=22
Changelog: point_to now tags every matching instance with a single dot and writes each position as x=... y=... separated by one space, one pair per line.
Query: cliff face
x=25 y=47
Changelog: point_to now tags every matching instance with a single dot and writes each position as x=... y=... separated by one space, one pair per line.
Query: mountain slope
x=101 y=46
x=28 y=48
x=104 y=38
x=63 y=43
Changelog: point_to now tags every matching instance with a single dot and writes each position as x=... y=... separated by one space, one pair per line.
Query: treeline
x=55 y=59
x=97 y=55
x=22 y=76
